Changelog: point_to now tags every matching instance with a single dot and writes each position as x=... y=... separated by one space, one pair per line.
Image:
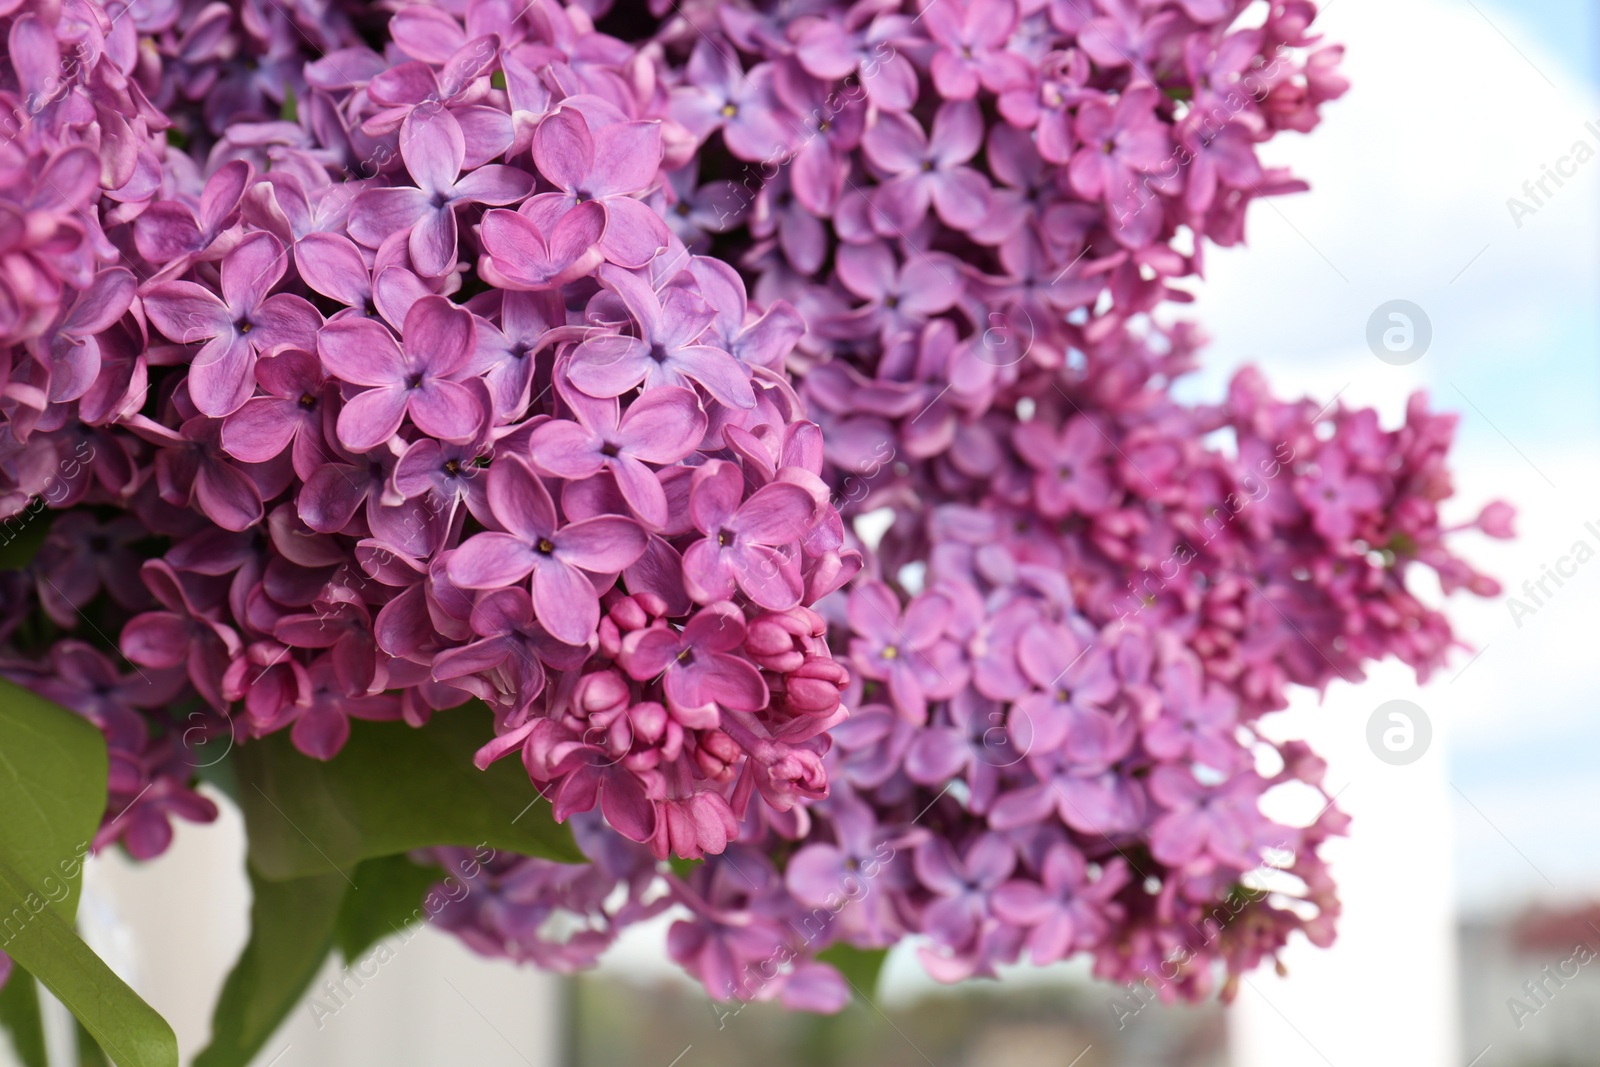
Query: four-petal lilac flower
x=413 y=378
x=560 y=557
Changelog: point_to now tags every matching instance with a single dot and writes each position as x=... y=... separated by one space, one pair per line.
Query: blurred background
x=1471 y=878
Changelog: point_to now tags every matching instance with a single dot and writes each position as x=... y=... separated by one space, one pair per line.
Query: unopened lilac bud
x=814 y=688
x=716 y=754
x=601 y=691
x=649 y=721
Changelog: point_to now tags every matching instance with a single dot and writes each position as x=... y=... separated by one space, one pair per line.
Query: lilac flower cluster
x=372 y=381
x=585 y=494
x=1062 y=648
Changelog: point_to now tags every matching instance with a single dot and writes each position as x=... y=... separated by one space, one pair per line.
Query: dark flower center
x=927 y=164
x=891 y=301
x=683 y=208
x=686 y=657
x=244 y=325
x=414 y=381
x=729 y=110
x=724 y=538
x=609 y=449
x=658 y=352
x=307 y=401
x=545 y=546
x=452 y=467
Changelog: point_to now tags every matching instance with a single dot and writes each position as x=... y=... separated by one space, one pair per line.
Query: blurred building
x=1530 y=988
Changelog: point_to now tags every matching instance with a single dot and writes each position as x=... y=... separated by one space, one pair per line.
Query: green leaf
x=392 y=789
x=52 y=794
x=291 y=933
x=860 y=966
x=389 y=899
x=89 y=1053
x=42 y=942
x=19 y=1014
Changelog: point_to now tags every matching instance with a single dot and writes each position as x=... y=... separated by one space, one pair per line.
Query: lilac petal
x=222 y=192
x=261 y=429
x=371 y=418
x=439 y=335
x=565 y=601
x=664 y=425
x=103 y=303
x=565 y=449
x=634 y=234
x=895 y=143
x=484 y=655
x=563 y=148
x=321 y=732
x=433 y=147
x=1023 y=806
x=156 y=639
x=734 y=683
x=488 y=131
x=329 y=499
x=227 y=496
x=609 y=365
x=361 y=352
x=936 y=755
x=494 y=185
x=717 y=490
x=395 y=291
x=721 y=374
x=1022 y=903
x=660 y=571
x=406 y=83
x=426 y=33
x=285 y=319
x=186 y=312
x=377 y=213
x=1178 y=837
x=625 y=805
x=332 y=265
x=815 y=873
x=491 y=560
x=446 y=410
x=221 y=377
x=605 y=544
x=434 y=242
x=775 y=514
x=938 y=869
x=708 y=571
x=520 y=501
x=641 y=489
x=250 y=271
x=627 y=156
x=816 y=987
x=166 y=231
x=577 y=232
